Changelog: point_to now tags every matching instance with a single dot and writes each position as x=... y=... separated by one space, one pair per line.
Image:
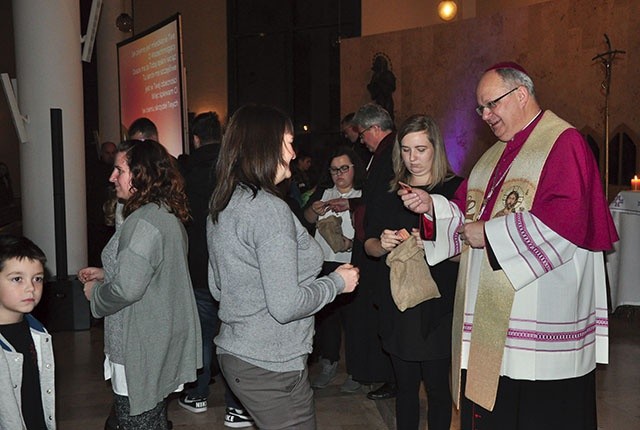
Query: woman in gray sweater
x=263 y=269
x=152 y=333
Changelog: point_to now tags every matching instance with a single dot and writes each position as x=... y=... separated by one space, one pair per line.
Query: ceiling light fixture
x=447 y=10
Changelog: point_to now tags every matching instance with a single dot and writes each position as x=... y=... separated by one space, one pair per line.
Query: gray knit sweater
x=148 y=288
x=263 y=269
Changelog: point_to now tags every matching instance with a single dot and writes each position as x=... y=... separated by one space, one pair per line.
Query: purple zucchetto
x=508 y=65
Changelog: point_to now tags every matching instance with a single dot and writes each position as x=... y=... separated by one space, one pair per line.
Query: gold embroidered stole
x=495 y=293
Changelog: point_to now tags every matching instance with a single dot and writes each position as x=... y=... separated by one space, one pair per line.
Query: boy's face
x=20 y=288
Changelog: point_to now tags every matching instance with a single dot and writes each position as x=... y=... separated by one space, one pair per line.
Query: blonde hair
x=440 y=170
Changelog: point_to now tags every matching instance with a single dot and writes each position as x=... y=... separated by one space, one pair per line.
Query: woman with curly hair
x=152 y=334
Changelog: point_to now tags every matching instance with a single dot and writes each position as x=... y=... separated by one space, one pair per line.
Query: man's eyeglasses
x=335 y=171
x=361 y=134
x=493 y=103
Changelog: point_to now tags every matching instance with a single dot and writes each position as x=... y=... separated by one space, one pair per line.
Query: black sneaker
x=111 y=423
x=193 y=404
x=237 y=418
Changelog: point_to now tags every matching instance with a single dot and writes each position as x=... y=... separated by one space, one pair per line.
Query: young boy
x=26 y=356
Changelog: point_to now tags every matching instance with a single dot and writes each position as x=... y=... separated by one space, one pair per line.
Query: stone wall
x=437 y=68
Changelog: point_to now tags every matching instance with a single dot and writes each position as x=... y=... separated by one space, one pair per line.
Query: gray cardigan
x=263 y=268
x=11 y=379
x=151 y=287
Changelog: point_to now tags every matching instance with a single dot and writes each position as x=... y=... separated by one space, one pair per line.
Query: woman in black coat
x=418 y=339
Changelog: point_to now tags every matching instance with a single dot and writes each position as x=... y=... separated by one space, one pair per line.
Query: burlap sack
x=330 y=228
x=411 y=281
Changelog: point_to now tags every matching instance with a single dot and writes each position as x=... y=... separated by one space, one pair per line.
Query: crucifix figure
x=607 y=61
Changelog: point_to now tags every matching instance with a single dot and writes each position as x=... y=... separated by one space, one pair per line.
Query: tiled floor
x=83 y=398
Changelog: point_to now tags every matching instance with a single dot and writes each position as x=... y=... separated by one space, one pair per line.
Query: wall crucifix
x=607 y=59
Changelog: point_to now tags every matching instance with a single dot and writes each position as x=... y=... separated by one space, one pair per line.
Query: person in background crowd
x=530 y=318
x=352 y=137
x=342 y=182
x=368 y=361
x=198 y=169
x=264 y=266
x=108 y=153
x=143 y=129
x=302 y=185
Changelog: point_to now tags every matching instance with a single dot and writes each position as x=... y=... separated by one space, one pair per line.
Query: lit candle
x=635 y=183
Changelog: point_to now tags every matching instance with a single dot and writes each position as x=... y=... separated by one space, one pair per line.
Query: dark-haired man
x=143 y=129
x=198 y=169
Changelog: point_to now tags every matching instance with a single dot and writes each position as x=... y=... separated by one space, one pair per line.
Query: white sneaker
x=326 y=375
x=237 y=418
x=196 y=404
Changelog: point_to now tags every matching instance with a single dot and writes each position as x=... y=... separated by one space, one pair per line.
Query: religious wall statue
x=383 y=82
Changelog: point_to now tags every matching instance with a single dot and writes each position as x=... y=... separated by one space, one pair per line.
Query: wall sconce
x=124 y=21
x=447 y=10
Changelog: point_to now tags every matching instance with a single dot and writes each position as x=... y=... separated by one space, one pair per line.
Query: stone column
x=49 y=75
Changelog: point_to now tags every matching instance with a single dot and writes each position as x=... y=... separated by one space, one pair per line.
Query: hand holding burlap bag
x=411 y=281
x=330 y=228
